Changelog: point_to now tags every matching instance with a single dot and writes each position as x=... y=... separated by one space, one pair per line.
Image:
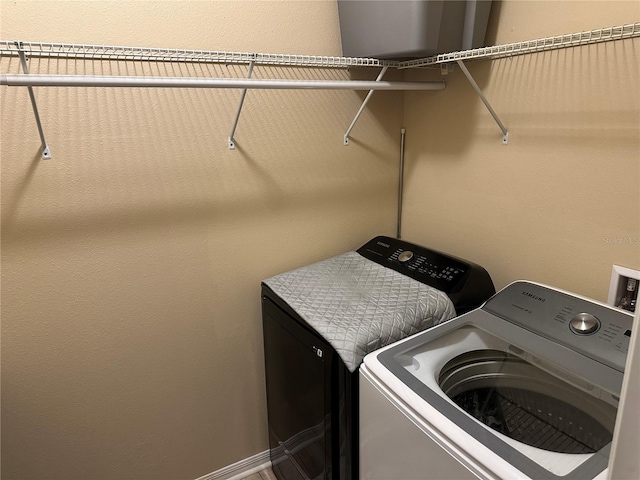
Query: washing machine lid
x=545 y=366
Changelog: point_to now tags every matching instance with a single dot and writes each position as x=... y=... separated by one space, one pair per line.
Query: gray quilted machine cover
x=359 y=306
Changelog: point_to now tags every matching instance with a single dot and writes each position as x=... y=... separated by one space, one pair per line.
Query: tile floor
x=266 y=474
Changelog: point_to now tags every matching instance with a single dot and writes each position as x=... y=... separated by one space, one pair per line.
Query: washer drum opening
x=527 y=404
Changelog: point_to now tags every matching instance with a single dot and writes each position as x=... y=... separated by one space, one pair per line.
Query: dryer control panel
x=467 y=284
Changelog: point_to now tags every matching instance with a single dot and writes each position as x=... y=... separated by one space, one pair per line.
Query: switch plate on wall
x=618 y=285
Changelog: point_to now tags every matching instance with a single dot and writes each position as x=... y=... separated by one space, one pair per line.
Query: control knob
x=405 y=256
x=584 y=324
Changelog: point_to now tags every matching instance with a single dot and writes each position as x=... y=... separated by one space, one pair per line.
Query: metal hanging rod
x=31 y=80
x=621 y=32
x=121 y=53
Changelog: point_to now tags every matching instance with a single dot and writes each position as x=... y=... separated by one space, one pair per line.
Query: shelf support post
x=232 y=143
x=364 y=104
x=46 y=153
x=505 y=133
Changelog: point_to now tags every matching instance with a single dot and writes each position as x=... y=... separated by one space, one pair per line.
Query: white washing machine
x=527 y=386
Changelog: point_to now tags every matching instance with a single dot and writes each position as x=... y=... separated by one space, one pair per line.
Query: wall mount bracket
x=505 y=133
x=361 y=109
x=232 y=143
x=46 y=152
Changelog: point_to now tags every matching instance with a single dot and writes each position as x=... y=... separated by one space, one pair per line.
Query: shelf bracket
x=505 y=133
x=232 y=143
x=46 y=153
x=364 y=104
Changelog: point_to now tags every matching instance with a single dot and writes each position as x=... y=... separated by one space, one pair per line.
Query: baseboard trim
x=240 y=469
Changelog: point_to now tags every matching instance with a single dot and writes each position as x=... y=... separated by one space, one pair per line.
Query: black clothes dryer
x=320 y=320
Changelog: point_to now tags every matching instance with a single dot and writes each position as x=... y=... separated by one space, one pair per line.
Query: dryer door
x=297 y=373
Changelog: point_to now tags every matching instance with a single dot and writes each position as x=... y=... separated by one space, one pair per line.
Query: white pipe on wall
x=32 y=80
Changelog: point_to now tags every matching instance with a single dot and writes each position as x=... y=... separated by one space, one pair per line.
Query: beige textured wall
x=132 y=260
x=131 y=332
x=561 y=203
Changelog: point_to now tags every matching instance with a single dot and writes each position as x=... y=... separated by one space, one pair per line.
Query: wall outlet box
x=618 y=285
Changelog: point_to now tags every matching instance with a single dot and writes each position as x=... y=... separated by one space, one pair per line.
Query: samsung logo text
x=535 y=297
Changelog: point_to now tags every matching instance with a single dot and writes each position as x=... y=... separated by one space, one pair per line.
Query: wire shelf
x=530 y=46
x=144 y=54
x=24 y=50
x=122 y=53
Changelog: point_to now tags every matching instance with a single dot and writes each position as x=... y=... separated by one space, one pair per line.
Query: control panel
x=597 y=331
x=430 y=267
x=467 y=284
